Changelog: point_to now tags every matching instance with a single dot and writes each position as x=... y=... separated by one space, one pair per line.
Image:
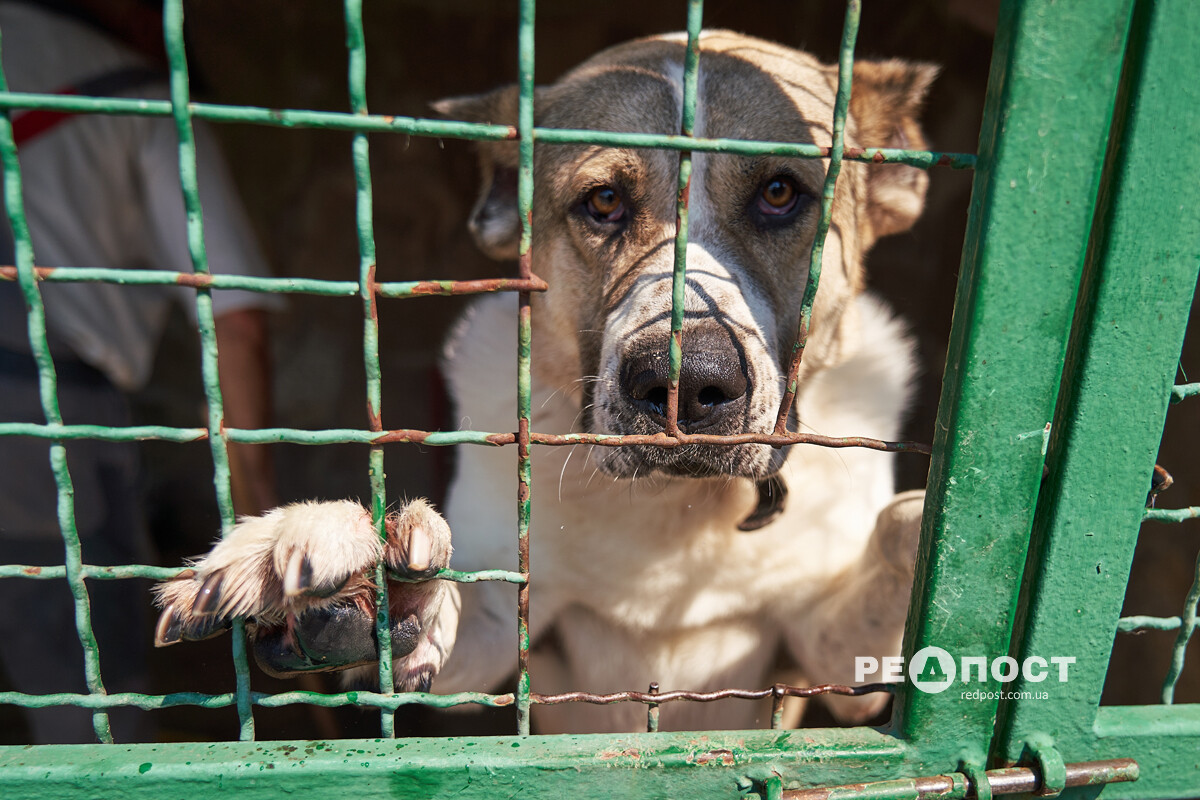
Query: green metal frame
x=1077 y=278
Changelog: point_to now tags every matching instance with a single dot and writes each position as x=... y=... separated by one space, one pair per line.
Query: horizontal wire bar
x=655 y=698
x=444 y=438
x=1132 y=624
x=394 y=289
x=150 y=702
x=1184 y=390
x=121 y=572
x=458 y=576
x=393 y=701
x=1171 y=514
x=125 y=571
x=449 y=129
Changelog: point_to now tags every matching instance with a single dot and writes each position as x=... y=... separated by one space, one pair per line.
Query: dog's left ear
x=884 y=103
x=495 y=222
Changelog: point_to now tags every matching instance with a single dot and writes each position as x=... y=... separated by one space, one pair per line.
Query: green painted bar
x=1187 y=627
x=1163 y=740
x=687 y=127
x=391 y=289
x=364 y=216
x=89 y=571
x=180 y=91
x=1171 y=514
x=1055 y=68
x=253 y=436
x=48 y=389
x=1131 y=624
x=1184 y=391
x=525 y=120
x=717 y=765
x=841 y=108
x=150 y=702
x=1141 y=258
x=165 y=573
x=411 y=126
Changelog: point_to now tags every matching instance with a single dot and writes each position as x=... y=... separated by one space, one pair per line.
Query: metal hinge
x=957 y=786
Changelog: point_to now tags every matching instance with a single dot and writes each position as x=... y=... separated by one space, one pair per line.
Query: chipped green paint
x=1013 y=312
x=1141 y=255
x=525 y=117
x=1001 y=389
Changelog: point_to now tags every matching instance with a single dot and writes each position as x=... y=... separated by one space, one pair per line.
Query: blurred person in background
x=103 y=191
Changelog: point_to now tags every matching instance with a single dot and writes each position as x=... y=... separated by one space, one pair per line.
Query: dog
x=696 y=567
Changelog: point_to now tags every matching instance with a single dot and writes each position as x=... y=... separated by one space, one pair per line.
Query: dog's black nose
x=712 y=381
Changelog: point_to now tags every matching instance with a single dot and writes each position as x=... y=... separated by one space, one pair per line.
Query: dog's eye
x=778 y=196
x=605 y=204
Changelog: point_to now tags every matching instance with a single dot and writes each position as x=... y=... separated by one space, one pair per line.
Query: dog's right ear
x=495 y=223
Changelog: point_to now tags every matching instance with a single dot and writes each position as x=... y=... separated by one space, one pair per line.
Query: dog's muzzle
x=713 y=383
x=716 y=397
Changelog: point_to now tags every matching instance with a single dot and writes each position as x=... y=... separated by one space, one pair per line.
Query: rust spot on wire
x=525 y=260
x=373 y=291
x=32 y=570
x=629 y=752
x=673 y=392
x=9 y=272
x=722 y=757
x=194 y=280
x=442 y=288
x=789 y=396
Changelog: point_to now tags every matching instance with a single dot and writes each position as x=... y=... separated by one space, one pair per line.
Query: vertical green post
x=364 y=214
x=687 y=125
x=841 y=108
x=48 y=386
x=1142 y=268
x=1053 y=82
x=181 y=112
x=525 y=34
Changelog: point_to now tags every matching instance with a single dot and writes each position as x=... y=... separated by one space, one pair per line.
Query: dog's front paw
x=304 y=576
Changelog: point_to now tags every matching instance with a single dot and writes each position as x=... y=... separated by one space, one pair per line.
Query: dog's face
x=605 y=221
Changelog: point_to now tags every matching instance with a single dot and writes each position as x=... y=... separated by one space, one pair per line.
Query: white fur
x=656 y=566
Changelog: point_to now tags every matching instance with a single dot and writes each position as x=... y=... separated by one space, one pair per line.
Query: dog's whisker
x=563 y=472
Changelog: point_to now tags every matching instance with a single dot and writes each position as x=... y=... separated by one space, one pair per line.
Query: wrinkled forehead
x=747 y=90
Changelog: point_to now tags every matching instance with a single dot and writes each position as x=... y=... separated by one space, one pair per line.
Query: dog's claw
x=208 y=598
x=297 y=577
x=169 y=629
x=420 y=549
x=172 y=628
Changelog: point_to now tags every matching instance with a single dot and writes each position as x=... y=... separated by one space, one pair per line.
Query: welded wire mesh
x=361 y=123
x=1184 y=624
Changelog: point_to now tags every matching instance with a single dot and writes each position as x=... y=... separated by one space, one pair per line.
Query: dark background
x=298 y=186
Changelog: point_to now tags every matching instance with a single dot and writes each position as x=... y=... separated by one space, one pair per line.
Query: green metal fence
x=1081 y=257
